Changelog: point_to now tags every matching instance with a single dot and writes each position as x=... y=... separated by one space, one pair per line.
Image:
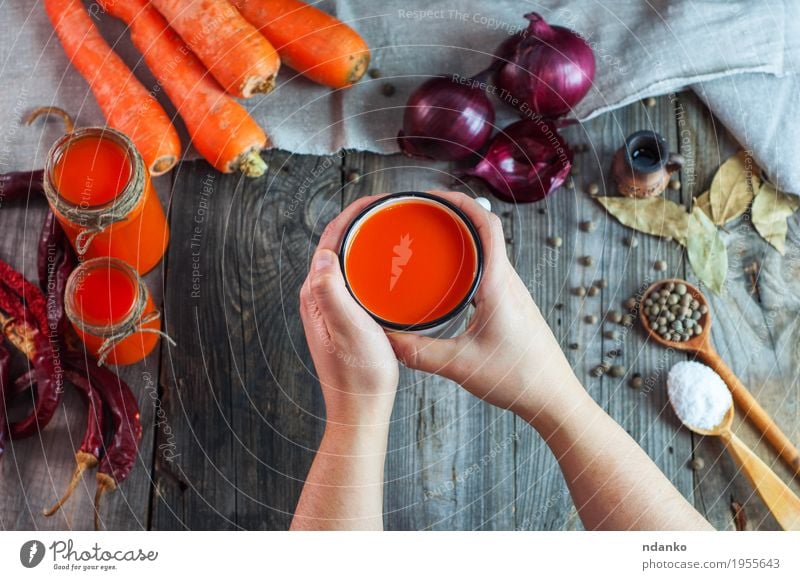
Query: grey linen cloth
x=740 y=56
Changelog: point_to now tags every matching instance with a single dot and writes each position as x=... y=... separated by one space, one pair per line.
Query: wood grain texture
x=35 y=471
x=240 y=395
x=755 y=330
x=239 y=414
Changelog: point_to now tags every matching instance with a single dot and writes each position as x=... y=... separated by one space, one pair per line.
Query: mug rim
x=468 y=297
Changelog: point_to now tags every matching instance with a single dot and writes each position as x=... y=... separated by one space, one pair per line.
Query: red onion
x=446 y=119
x=544 y=69
x=525 y=162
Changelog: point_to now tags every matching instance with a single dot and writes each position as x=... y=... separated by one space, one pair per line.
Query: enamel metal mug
x=413 y=261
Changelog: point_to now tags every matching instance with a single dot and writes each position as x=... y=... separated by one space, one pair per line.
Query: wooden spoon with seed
x=702 y=346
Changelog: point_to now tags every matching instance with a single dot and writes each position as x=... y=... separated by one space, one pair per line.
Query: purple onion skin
x=525 y=162
x=446 y=120
x=546 y=69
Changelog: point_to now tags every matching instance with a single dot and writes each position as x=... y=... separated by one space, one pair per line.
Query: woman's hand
x=352 y=355
x=508 y=355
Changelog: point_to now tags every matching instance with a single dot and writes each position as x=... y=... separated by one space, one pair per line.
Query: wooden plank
x=450 y=463
x=35 y=471
x=240 y=396
x=756 y=333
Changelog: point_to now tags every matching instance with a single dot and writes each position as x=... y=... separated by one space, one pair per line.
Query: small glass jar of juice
x=99 y=189
x=413 y=261
x=109 y=306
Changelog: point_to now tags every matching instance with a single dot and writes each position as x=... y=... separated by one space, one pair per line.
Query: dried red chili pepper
x=25 y=326
x=17 y=184
x=56 y=260
x=123 y=447
x=28 y=292
x=88 y=454
x=5 y=374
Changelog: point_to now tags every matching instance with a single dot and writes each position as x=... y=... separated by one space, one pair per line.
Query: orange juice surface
x=104 y=297
x=92 y=171
x=411 y=262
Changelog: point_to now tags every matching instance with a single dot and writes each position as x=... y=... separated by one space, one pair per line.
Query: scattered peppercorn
x=631 y=241
x=601 y=283
x=353 y=177
x=650 y=102
x=574 y=345
x=611 y=334
x=554 y=242
x=674 y=184
x=575 y=170
x=630 y=303
x=388 y=90
x=660 y=265
x=599 y=371
x=579 y=291
x=614 y=316
x=636 y=381
x=586 y=261
x=593 y=189
x=617 y=371
x=697 y=463
x=587 y=226
x=627 y=320
x=558 y=306
x=374 y=73
x=592 y=291
x=590 y=319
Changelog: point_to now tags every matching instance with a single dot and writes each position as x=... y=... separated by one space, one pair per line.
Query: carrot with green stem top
x=312 y=42
x=241 y=59
x=126 y=104
x=221 y=129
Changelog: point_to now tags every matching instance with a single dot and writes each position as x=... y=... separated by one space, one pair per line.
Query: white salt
x=698 y=395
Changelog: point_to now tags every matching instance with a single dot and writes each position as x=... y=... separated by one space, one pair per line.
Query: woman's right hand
x=508 y=355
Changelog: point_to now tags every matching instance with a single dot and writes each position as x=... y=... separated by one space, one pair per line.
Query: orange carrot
x=310 y=41
x=221 y=129
x=126 y=104
x=243 y=61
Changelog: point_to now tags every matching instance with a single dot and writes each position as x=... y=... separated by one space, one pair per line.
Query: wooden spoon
x=701 y=345
x=777 y=496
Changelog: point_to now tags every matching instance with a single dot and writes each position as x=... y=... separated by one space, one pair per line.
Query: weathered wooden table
x=233 y=414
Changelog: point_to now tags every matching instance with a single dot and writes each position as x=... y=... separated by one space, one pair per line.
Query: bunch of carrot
x=203 y=53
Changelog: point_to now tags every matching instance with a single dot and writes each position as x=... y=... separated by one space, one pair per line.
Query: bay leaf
x=703 y=201
x=732 y=189
x=653 y=215
x=706 y=251
x=771 y=209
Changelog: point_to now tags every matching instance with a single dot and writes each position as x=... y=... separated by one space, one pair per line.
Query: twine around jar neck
x=93 y=220
x=112 y=334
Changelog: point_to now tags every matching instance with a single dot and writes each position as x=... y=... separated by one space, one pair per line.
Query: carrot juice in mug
x=413 y=261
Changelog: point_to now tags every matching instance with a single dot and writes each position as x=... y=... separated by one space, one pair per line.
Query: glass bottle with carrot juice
x=100 y=191
x=112 y=312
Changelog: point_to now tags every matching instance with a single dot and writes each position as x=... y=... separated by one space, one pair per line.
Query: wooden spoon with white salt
x=704 y=404
x=702 y=346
